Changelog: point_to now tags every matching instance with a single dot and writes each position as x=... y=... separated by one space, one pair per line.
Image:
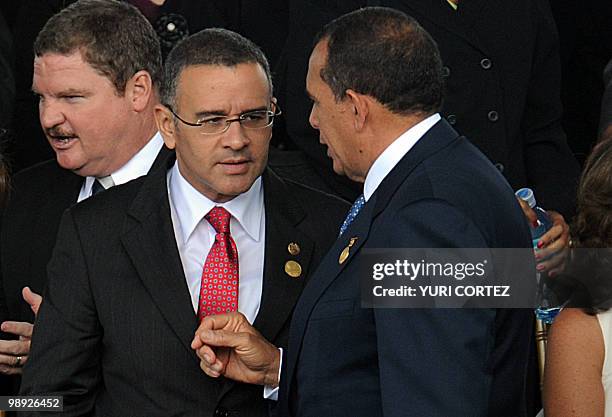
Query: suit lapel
x=281 y=290
x=437 y=138
x=324 y=276
x=148 y=238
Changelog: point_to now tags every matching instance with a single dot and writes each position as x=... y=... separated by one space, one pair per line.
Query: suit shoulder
x=41 y=175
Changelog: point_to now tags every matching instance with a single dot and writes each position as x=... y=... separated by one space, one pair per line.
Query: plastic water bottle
x=544 y=221
x=545 y=312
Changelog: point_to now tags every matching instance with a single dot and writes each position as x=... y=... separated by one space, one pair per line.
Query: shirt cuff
x=271 y=393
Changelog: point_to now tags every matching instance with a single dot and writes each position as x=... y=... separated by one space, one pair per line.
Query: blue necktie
x=353 y=212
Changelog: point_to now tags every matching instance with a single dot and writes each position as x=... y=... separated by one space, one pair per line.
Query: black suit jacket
x=113 y=334
x=29 y=224
x=39 y=196
x=345 y=360
x=502 y=67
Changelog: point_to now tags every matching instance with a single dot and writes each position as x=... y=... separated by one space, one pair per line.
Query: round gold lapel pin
x=293 y=269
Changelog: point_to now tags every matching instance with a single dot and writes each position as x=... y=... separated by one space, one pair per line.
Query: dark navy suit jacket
x=345 y=360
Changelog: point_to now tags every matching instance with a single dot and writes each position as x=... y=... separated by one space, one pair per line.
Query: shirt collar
x=137 y=166
x=391 y=156
x=191 y=206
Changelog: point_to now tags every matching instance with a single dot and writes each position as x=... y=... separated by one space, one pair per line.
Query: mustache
x=56 y=132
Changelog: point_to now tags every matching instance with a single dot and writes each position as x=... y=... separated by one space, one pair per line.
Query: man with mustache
x=211 y=231
x=96 y=74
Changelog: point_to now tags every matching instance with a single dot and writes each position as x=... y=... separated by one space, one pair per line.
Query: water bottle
x=544 y=221
x=547 y=311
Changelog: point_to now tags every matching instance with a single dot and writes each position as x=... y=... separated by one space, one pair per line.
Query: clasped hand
x=228 y=345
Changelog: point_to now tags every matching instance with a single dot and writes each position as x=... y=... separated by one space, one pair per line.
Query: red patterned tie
x=219 y=287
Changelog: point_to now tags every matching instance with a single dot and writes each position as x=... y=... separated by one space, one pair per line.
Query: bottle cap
x=526 y=194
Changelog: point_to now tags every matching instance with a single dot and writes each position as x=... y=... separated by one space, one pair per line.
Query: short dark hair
x=113 y=37
x=386 y=54
x=209 y=47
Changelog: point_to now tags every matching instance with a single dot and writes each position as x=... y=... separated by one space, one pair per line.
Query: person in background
x=96 y=75
x=578 y=375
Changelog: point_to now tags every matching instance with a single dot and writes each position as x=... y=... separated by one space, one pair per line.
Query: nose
x=313 y=118
x=235 y=138
x=50 y=114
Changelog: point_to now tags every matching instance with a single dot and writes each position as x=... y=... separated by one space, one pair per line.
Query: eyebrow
x=67 y=92
x=208 y=113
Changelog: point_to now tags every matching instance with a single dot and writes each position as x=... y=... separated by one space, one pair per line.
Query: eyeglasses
x=214 y=125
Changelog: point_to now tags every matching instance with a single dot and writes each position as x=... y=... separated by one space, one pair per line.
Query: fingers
x=233 y=322
x=223 y=338
x=10 y=370
x=19 y=328
x=532 y=218
x=33 y=299
x=553 y=246
x=558 y=235
x=213 y=364
x=14 y=348
x=13 y=355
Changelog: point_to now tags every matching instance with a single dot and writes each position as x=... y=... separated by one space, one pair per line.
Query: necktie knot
x=219 y=219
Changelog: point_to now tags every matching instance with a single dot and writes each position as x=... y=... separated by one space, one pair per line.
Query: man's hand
x=14 y=353
x=553 y=246
x=228 y=345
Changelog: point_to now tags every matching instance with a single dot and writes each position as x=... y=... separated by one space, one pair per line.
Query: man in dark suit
x=96 y=73
x=123 y=302
x=375 y=79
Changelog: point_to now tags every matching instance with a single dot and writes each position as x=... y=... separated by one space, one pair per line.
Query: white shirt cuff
x=271 y=393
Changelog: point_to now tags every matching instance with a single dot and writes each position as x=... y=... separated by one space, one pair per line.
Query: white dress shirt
x=195 y=237
x=139 y=165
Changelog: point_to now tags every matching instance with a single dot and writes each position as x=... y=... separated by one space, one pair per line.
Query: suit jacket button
x=452 y=119
x=499 y=166
x=446 y=71
x=485 y=63
x=493 y=116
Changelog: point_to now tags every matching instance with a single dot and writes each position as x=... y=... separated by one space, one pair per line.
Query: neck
x=386 y=129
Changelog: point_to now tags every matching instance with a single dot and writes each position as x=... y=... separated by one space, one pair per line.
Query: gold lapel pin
x=293 y=248
x=346 y=251
x=293 y=269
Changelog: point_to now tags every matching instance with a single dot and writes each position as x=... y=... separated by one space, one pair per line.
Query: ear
x=139 y=90
x=165 y=124
x=360 y=107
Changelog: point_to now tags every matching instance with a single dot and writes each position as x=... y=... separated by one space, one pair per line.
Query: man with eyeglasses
x=210 y=232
